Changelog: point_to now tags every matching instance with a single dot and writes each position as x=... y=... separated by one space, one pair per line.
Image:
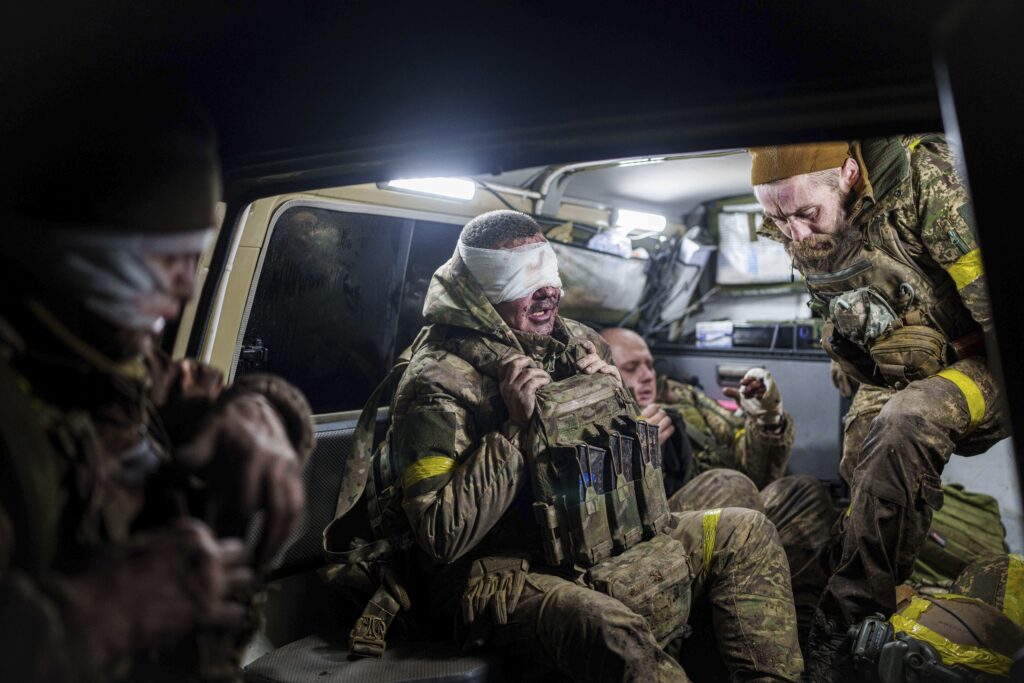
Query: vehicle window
x=432 y=244
x=326 y=306
x=745 y=258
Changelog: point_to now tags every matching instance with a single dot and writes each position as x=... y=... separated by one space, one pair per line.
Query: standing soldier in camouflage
x=461 y=437
x=713 y=458
x=882 y=231
x=126 y=478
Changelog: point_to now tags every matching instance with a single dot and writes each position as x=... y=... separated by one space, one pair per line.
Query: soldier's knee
x=741 y=527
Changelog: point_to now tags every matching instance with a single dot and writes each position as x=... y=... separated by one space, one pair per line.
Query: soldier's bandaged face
x=515 y=273
x=132 y=281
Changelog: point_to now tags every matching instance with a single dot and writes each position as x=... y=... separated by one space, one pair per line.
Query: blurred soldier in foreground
x=110 y=452
x=734 y=456
x=533 y=490
x=882 y=231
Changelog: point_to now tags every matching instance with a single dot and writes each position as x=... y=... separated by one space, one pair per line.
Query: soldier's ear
x=849 y=174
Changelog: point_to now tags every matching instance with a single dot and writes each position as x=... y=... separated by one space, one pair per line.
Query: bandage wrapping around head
x=510 y=274
x=109 y=272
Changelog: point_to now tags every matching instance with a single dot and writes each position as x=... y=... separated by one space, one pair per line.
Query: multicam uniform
x=466 y=495
x=736 y=457
x=722 y=439
x=904 y=308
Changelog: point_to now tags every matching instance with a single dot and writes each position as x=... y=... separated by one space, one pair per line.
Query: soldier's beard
x=820 y=253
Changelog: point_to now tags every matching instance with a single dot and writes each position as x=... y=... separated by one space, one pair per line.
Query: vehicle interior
x=357 y=142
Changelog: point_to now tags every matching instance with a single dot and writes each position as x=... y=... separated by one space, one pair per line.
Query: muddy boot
x=827 y=658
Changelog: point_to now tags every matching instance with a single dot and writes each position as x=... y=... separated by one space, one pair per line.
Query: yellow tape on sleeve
x=971 y=391
x=424 y=468
x=1013 y=597
x=739 y=434
x=710 y=533
x=966 y=269
x=977 y=658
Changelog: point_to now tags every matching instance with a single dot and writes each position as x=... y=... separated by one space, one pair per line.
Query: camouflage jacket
x=465 y=487
x=723 y=439
x=909 y=187
x=84 y=461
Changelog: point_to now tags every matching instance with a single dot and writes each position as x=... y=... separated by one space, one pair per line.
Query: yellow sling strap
x=710 y=532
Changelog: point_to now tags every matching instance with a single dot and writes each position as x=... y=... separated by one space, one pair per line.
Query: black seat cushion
x=316 y=660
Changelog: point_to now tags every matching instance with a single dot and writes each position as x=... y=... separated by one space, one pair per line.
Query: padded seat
x=316 y=660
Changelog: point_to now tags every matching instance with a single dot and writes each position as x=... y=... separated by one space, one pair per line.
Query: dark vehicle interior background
x=326 y=95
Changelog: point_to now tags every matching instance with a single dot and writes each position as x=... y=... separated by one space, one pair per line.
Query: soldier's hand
x=157 y=587
x=518 y=382
x=494 y=587
x=758 y=396
x=249 y=464
x=656 y=416
x=592 y=363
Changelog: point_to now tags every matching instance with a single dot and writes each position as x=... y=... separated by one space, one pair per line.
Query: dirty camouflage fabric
x=84 y=469
x=729 y=440
x=894 y=448
x=466 y=495
x=913 y=206
x=798 y=506
x=997 y=580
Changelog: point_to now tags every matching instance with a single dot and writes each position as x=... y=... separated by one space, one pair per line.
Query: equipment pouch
x=587 y=510
x=861 y=315
x=851 y=358
x=623 y=512
x=653 y=579
x=909 y=353
x=650 y=485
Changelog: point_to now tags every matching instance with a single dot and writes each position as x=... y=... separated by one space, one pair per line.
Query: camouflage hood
x=454 y=298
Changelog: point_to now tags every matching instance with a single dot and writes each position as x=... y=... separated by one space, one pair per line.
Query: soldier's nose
x=798 y=232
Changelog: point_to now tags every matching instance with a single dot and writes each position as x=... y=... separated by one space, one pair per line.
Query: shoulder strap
x=28 y=465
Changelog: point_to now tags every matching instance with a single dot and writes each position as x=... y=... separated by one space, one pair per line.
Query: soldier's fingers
x=650 y=411
x=512 y=363
x=731 y=393
x=529 y=375
x=500 y=607
x=666 y=431
x=589 y=346
x=531 y=387
x=281 y=510
x=588 y=361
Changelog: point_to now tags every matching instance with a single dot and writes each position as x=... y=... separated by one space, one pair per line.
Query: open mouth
x=542 y=311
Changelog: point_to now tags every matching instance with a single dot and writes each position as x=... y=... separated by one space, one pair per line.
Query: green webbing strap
x=30 y=466
x=705 y=443
x=357 y=466
x=368 y=637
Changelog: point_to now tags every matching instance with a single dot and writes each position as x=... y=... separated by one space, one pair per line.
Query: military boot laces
x=828 y=657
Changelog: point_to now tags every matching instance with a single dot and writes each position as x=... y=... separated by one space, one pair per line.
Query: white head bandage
x=108 y=271
x=509 y=274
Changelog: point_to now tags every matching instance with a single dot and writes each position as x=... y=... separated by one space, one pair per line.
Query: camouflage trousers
x=589 y=636
x=895 y=446
x=802 y=512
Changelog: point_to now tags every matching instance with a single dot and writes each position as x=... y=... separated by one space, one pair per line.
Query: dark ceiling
x=301 y=79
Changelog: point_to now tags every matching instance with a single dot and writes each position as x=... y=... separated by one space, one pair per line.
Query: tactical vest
x=595 y=474
x=890 y=319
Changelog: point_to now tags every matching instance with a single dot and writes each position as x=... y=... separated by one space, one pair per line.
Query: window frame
x=340 y=206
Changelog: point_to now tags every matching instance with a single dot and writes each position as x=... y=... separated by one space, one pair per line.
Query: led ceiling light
x=449 y=188
x=640 y=221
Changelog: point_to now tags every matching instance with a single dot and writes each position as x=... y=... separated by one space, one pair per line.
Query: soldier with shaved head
x=531 y=486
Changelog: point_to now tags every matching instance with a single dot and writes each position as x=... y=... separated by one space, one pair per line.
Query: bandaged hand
x=758 y=397
x=494 y=587
x=592 y=362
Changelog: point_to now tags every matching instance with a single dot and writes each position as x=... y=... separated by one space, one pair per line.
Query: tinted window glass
x=325 y=313
x=432 y=245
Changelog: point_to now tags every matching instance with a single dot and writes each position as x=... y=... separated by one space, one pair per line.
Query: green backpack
x=968 y=526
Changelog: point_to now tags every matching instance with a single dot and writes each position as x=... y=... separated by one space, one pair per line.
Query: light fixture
x=641 y=162
x=449 y=188
x=640 y=221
